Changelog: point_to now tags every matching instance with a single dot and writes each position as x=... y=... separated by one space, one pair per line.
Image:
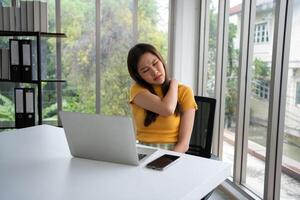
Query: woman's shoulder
x=182 y=87
x=186 y=97
x=185 y=90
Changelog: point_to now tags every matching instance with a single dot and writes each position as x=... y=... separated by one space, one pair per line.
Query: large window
x=117 y=36
x=252 y=58
x=122 y=24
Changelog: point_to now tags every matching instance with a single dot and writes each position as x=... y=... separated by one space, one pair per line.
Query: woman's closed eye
x=155 y=62
x=145 y=70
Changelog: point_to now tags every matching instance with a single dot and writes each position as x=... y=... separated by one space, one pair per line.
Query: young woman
x=163 y=110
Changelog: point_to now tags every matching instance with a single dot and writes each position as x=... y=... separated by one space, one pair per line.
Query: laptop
x=103 y=138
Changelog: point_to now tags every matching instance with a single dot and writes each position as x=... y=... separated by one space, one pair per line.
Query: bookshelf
x=37 y=36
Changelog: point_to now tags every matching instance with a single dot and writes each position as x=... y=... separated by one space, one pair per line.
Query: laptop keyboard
x=141 y=156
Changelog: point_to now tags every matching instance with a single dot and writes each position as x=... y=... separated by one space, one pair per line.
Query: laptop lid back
x=99 y=137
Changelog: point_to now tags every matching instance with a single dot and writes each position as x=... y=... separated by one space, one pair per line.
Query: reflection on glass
x=232 y=80
x=212 y=47
x=259 y=100
x=290 y=181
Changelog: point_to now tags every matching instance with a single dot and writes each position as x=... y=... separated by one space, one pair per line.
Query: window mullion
x=203 y=58
x=244 y=90
x=58 y=57
x=171 y=37
x=203 y=46
x=98 y=72
x=217 y=136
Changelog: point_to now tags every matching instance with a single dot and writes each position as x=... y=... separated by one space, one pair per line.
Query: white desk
x=35 y=164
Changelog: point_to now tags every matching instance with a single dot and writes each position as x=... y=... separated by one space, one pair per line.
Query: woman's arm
x=185 y=130
x=165 y=106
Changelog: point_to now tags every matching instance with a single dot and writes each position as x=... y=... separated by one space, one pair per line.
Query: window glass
x=7 y=108
x=290 y=182
x=259 y=98
x=116 y=38
x=7 y=105
x=156 y=33
x=78 y=55
x=5 y=3
x=212 y=47
x=48 y=69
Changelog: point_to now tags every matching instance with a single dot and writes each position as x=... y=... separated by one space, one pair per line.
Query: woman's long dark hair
x=133 y=58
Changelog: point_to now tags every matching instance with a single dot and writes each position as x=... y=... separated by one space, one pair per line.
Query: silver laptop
x=104 y=138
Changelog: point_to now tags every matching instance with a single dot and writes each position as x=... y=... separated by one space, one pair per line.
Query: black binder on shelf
x=26 y=59
x=19 y=108
x=29 y=107
x=15 y=62
x=20 y=60
x=24 y=107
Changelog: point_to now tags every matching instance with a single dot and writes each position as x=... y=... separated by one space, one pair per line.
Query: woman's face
x=151 y=69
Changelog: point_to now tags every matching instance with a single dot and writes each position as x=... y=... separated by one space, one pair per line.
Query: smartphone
x=162 y=162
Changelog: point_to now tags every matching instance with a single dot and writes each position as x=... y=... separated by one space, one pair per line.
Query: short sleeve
x=134 y=90
x=186 y=98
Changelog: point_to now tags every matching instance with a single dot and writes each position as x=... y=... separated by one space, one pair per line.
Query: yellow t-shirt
x=163 y=129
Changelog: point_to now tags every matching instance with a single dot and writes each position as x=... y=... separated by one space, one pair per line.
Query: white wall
x=186 y=42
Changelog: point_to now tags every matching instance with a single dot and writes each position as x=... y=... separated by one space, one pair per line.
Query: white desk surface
x=35 y=164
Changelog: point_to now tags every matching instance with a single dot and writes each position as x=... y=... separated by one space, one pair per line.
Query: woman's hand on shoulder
x=163 y=106
x=174 y=83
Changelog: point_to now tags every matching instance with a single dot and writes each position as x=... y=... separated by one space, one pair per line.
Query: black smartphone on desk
x=162 y=162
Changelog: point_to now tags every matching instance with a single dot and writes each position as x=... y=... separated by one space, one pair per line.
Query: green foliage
x=232 y=70
x=212 y=50
x=261 y=69
x=149 y=32
x=6 y=109
x=79 y=55
x=5 y=2
x=50 y=112
x=116 y=38
x=115 y=91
